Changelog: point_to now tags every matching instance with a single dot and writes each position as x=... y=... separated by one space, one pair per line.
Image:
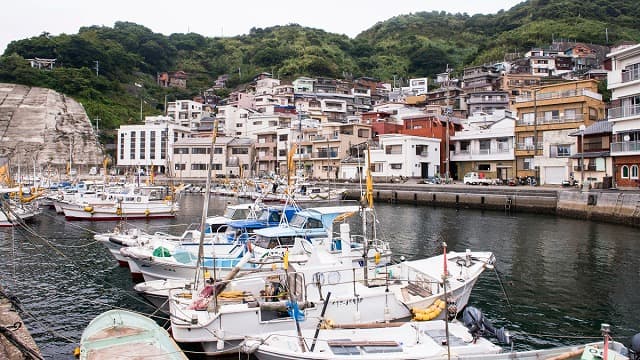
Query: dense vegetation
x=414 y=45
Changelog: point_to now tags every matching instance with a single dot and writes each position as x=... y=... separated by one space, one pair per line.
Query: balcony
x=559 y=95
x=423 y=154
x=551 y=120
x=627 y=146
x=325 y=154
x=624 y=111
x=523 y=146
x=630 y=75
x=590 y=167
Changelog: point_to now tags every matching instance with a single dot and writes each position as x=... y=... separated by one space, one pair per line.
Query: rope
x=27 y=351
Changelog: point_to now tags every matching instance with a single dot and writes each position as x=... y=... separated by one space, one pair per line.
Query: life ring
x=430 y=313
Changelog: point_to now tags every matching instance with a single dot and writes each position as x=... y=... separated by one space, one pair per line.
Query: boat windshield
x=297 y=221
x=270 y=216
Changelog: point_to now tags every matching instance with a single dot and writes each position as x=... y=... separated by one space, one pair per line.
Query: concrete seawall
x=608 y=206
x=16 y=342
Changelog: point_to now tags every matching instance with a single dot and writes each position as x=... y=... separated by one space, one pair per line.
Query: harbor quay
x=16 y=342
x=614 y=206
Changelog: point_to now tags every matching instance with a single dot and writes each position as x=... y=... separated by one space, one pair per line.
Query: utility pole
x=448 y=112
x=97 y=67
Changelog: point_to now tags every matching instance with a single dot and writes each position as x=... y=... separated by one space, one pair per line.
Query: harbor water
x=556 y=279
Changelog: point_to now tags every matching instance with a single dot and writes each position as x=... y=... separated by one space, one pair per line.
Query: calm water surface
x=562 y=277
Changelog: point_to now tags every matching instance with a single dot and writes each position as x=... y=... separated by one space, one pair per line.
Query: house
x=592 y=163
x=546 y=116
x=232 y=157
x=172 y=79
x=624 y=83
x=408 y=156
x=486 y=145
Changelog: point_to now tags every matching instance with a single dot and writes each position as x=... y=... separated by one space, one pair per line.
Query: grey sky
x=26 y=18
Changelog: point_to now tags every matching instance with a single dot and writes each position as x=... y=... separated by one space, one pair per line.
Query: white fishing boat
x=131 y=203
x=13 y=211
x=120 y=334
x=416 y=340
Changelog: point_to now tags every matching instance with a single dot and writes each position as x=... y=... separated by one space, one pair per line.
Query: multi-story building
x=624 y=82
x=405 y=156
x=546 y=117
x=266 y=153
x=486 y=145
x=232 y=157
x=593 y=164
x=185 y=112
x=487 y=101
x=144 y=145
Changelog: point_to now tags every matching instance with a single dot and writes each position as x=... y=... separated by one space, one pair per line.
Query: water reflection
x=562 y=276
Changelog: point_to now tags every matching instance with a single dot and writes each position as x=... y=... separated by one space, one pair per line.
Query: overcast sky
x=20 y=19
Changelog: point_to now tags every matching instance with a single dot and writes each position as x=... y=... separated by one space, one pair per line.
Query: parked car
x=431 y=180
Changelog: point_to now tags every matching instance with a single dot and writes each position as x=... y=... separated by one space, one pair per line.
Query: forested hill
x=412 y=45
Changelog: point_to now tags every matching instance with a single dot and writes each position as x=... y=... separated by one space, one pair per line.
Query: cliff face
x=43 y=126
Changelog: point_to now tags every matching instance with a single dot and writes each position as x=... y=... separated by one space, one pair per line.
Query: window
x=198 y=166
x=240 y=151
x=199 y=151
x=283 y=137
x=527 y=164
x=484 y=167
x=422 y=150
x=551 y=115
x=634 y=171
x=395 y=166
x=132 y=149
x=217 y=150
x=152 y=145
x=464 y=146
x=180 y=166
x=216 y=166
x=563 y=150
x=163 y=144
x=624 y=172
x=142 y=144
x=528 y=118
x=121 y=146
x=179 y=150
x=503 y=144
x=570 y=114
x=485 y=146
x=239 y=125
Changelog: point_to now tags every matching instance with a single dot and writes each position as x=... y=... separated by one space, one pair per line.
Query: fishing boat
x=14 y=211
x=132 y=202
x=430 y=340
x=120 y=334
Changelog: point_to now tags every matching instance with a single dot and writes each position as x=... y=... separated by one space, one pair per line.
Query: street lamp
x=582 y=127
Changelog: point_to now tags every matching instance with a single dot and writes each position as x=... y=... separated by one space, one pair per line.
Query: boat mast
x=205 y=206
x=368 y=201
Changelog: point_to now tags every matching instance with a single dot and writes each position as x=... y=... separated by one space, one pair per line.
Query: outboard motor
x=634 y=352
x=475 y=321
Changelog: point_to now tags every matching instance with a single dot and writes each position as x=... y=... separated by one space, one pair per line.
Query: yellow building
x=546 y=117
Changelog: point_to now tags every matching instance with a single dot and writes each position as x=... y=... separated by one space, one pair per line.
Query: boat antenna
x=205 y=205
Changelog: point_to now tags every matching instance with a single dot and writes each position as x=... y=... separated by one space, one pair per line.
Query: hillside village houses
x=537 y=116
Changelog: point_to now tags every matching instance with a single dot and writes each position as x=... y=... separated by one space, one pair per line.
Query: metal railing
x=631 y=75
x=551 y=120
x=627 y=146
x=522 y=146
x=559 y=95
x=624 y=111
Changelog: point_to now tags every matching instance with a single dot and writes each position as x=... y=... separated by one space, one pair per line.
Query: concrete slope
x=42 y=125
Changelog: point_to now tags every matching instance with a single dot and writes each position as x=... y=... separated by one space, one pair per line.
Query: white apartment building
x=624 y=82
x=486 y=145
x=185 y=113
x=147 y=144
x=405 y=155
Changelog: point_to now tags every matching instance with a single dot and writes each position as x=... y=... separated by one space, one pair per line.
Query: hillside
x=413 y=45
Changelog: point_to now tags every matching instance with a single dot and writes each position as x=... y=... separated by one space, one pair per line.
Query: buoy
x=76 y=351
x=430 y=313
x=147 y=212
x=88 y=208
x=119 y=211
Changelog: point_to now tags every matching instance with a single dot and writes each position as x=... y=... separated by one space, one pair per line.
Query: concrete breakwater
x=608 y=206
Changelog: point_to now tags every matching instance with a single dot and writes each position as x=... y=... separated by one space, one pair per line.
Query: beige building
x=547 y=115
x=232 y=157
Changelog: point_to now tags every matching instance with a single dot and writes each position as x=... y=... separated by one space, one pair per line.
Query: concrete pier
x=15 y=339
x=612 y=206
